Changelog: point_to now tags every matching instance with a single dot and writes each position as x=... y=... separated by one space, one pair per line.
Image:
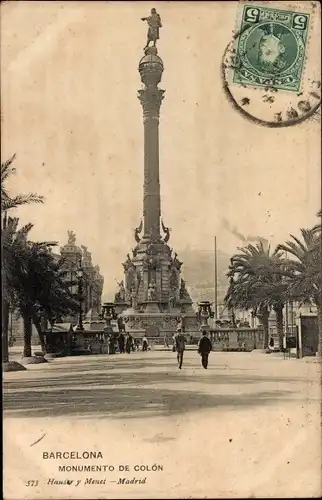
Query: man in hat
x=204 y=348
x=180 y=341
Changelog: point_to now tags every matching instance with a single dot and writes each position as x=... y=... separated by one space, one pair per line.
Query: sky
x=70 y=113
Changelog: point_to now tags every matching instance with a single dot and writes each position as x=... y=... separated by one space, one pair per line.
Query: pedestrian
x=145 y=344
x=128 y=343
x=204 y=348
x=121 y=342
x=180 y=345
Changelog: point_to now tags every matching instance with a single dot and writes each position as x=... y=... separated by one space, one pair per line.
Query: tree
x=242 y=294
x=304 y=272
x=54 y=296
x=13 y=250
x=37 y=289
x=8 y=203
x=258 y=285
x=318 y=227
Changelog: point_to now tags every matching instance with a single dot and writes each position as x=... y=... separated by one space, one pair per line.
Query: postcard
x=161 y=235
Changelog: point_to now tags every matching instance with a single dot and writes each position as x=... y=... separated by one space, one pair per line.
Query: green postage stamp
x=271 y=48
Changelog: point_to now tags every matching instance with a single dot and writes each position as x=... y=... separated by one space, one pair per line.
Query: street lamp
x=108 y=315
x=205 y=312
x=80 y=275
x=231 y=311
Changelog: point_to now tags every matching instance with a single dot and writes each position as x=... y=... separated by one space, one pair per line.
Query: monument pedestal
x=157 y=324
x=151 y=307
x=154 y=296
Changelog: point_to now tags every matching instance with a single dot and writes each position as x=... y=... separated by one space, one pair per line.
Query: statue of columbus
x=154 y=23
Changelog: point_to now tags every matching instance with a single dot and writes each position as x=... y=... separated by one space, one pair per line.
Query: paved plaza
x=247 y=426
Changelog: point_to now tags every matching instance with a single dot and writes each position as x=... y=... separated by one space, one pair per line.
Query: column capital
x=151 y=99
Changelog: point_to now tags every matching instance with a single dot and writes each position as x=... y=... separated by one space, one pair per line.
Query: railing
x=224 y=339
x=237 y=339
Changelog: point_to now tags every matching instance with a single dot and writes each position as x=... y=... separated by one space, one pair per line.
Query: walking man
x=180 y=341
x=204 y=348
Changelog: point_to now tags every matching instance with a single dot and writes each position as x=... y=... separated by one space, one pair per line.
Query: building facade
x=76 y=258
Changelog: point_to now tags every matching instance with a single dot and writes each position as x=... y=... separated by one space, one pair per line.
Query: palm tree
x=304 y=271
x=13 y=243
x=318 y=227
x=8 y=203
x=243 y=294
x=258 y=284
x=37 y=289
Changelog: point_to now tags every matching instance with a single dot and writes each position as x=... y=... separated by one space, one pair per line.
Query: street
x=248 y=426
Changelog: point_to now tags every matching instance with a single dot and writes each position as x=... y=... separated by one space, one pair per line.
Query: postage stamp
x=271 y=48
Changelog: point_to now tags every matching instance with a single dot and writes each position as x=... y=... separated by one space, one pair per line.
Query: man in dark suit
x=204 y=348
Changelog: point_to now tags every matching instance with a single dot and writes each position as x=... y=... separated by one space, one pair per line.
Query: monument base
x=153 y=323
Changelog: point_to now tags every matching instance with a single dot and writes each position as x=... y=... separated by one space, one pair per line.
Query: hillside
x=199 y=272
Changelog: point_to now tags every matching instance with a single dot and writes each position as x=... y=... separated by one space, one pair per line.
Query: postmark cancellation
x=271 y=67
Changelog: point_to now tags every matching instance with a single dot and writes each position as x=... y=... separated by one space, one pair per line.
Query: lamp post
x=216 y=280
x=108 y=315
x=80 y=277
x=231 y=312
x=204 y=313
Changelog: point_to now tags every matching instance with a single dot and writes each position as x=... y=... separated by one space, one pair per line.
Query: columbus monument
x=153 y=299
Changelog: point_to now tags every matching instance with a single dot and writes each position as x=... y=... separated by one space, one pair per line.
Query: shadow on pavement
x=119 y=377
x=132 y=387
x=129 y=370
x=126 y=402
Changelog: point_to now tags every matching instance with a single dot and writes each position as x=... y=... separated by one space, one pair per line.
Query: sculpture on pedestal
x=130 y=279
x=176 y=262
x=154 y=23
x=183 y=293
x=120 y=295
x=134 y=301
x=138 y=280
x=172 y=301
x=71 y=238
x=166 y=230
x=152 y=291
x=137 y=231
x=174 y=280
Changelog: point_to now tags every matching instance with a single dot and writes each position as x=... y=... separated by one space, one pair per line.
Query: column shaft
x=151 y=189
